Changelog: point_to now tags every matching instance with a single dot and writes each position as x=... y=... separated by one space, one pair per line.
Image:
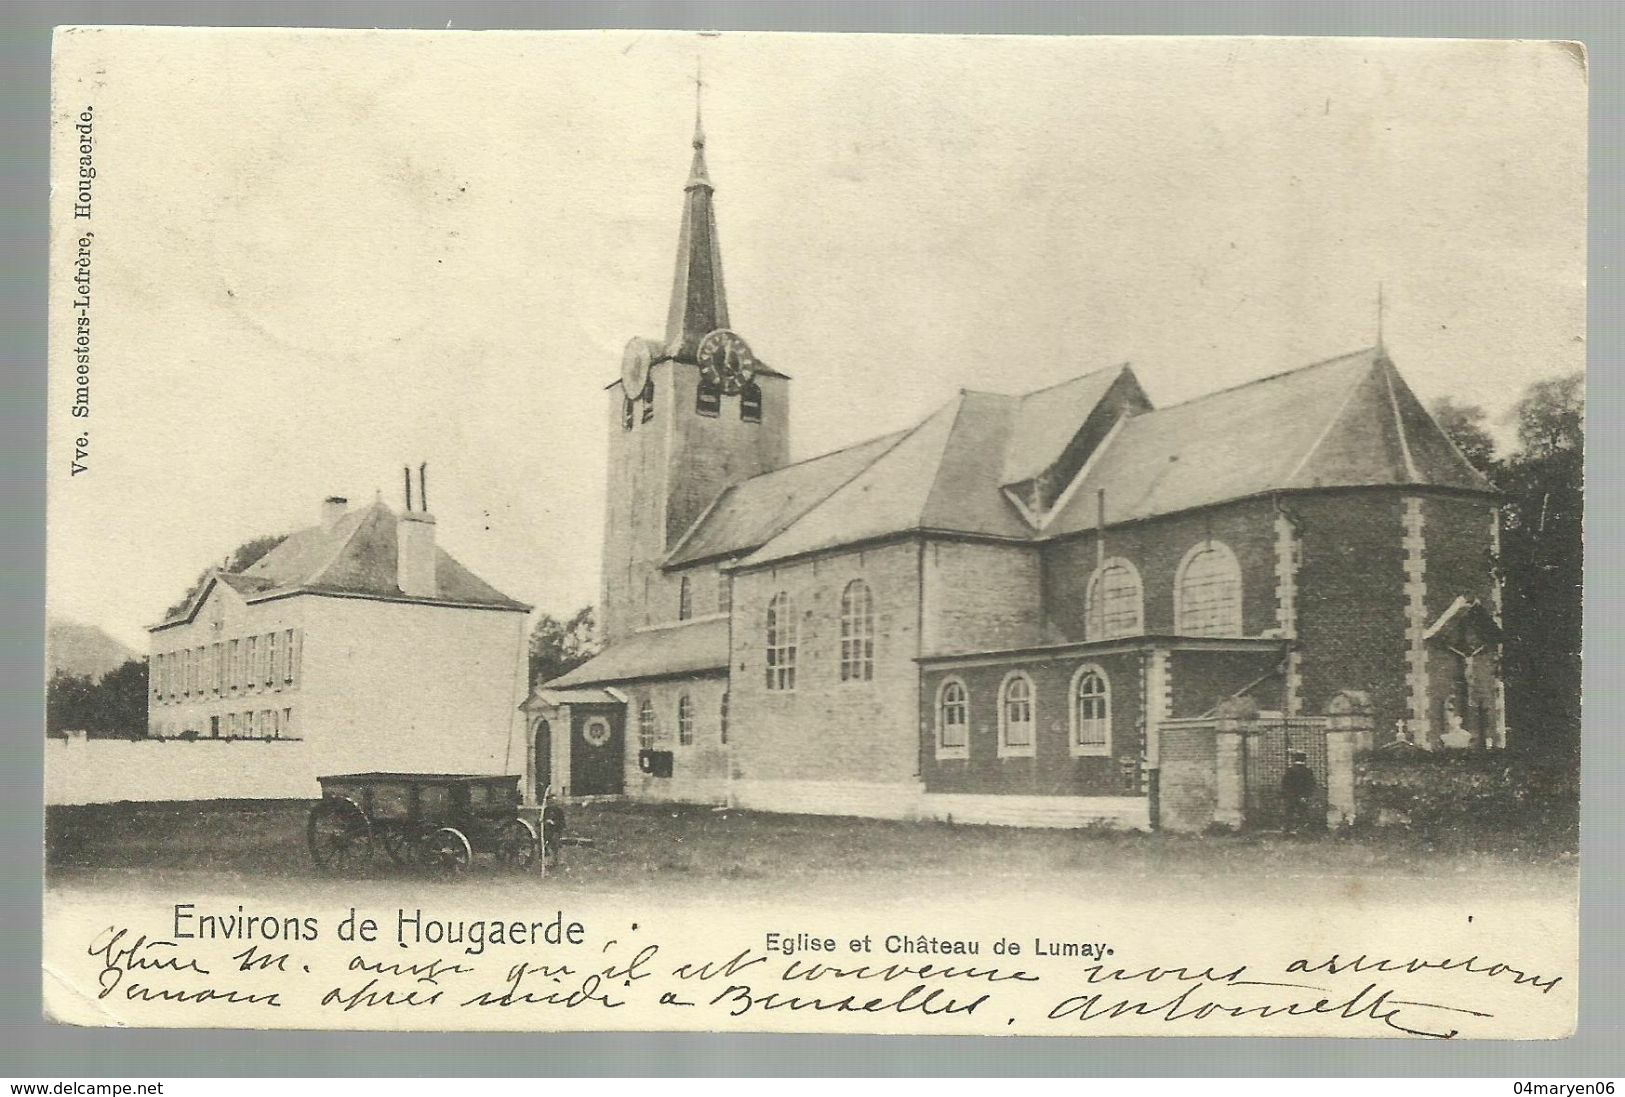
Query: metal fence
x=1268 y=745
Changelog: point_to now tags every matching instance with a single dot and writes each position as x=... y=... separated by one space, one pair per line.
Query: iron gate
x=1268 y=745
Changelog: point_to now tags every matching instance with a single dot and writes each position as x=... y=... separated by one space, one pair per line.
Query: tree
x=557 y=647
x=1542 y=565
x=1551 y=418
x=1464 y=423
x=246 y=555
x=112 y=707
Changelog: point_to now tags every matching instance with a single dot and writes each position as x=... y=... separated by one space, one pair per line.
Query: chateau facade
x=358 y=636
x=989 y=616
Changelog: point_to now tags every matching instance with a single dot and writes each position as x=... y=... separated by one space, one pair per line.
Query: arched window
x=750 y=402
x=685 y=721
x=1114 y=604
x=722 y=719
x=1091 y=711
x=857 y=633
x=628 y=413
x=1016 y=716
x=781 y=642
x=708 y=398
x=953 y=720
x=1207 y=594
x=685 y=600
x=647 y=729
x=649 y=400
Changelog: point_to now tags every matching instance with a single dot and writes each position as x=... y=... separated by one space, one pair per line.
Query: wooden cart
x=437 y=820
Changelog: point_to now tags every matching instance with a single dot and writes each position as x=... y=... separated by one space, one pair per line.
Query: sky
x=319 y=256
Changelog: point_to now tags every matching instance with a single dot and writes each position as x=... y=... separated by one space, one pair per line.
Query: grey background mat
x=33 y=1049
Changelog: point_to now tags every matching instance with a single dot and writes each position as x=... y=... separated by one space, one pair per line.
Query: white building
x=358 y=636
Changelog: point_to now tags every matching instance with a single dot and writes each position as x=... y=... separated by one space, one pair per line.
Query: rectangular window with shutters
x=288 y=656
x=269 y=657
x=251 y=661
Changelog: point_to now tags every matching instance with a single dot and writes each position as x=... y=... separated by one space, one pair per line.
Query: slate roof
x=587 y=695
x=692 y=647
x=1047 y=419
x=938 y=477
x=1346 y=422
x=356 y=558
x=746 y=516
x=1349 y=421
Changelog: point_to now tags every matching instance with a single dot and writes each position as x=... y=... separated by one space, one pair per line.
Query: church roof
x=1047 y=420
x=938 y=477
x=356 y=557
x=690 y=647
x=699 y=304
x=1346 y=422
x=748 y=515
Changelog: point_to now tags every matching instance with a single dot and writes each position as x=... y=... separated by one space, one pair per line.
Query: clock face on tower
x=726 y=361
x=635 y=362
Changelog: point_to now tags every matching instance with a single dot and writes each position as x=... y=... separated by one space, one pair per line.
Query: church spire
x=698 y=303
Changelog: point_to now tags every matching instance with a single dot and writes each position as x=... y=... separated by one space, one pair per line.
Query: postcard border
x=36 y=1047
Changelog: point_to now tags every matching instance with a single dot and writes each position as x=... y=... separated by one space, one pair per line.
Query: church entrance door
x=597 y=753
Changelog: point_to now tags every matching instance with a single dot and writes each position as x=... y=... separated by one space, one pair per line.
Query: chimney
x=415 y=555
x=333 y=508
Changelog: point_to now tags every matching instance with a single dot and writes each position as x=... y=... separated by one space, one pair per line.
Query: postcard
x=815 y=533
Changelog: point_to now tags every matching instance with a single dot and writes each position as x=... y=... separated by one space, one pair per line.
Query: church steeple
x=698 y=303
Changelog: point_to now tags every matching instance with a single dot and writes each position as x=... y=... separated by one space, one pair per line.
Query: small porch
x=575 y=742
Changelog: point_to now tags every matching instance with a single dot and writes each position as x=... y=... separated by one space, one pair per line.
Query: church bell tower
x=691 y=415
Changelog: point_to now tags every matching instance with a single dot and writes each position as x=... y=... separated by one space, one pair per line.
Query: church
x=993 y=615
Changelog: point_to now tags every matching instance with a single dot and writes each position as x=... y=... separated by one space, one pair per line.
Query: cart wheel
x=338 y=835
x=517 y=845
x=400 y=845
x=448 y=851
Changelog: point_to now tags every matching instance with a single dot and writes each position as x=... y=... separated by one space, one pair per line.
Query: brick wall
x=980 y=597
x=827 y=729
x=1052 y=770
x=1156 y=548
x=1201 y=679
x=1353 y=606
x=1187 y=787
x=1351 y=600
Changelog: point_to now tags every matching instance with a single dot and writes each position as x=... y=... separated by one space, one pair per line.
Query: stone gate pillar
x=1235 y=720
x=1348 y=727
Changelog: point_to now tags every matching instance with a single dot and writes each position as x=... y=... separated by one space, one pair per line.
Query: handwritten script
x=582 y=984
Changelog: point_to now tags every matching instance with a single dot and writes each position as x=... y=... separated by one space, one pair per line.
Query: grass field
x=699 y=851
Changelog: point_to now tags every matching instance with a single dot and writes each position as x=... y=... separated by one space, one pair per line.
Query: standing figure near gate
x=1298 y=794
